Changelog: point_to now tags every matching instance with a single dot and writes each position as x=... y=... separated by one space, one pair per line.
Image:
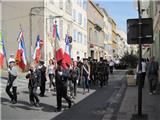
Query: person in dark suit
x=61 y=76
x=34 y=76
x=42 y=69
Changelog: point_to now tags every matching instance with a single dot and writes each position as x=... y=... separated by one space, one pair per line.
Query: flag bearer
x=34 y=76
x=13 y=72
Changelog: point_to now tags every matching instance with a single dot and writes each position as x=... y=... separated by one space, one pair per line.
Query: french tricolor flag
x=67 y=53
x=58 y=48
x=21 y=52
x=37 y=51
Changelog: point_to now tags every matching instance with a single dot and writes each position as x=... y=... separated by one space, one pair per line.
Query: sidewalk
x=150 y=103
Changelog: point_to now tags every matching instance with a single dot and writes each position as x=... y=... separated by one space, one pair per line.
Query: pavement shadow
x=47 y=108
x=26 y=92
x=20 y=104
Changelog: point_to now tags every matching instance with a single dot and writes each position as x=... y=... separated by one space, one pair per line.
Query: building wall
x=95 y=36
x=107 y=35
x=79 y=31
x=61 y=8
x=153 y=11
x=16 y=13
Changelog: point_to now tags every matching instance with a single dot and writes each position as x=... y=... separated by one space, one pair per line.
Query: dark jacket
x=43 y=73
x=75 y=74
x=34 y=78
x=61 y=80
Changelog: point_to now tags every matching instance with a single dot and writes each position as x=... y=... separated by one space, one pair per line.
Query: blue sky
x=119 y=10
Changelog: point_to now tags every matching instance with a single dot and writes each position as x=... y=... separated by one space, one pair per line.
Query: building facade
x=17 y=15
x=154 y=13
x=107 y=36
x=114 y=38
x=79 y=29
x=150 y=9
x=95 y=31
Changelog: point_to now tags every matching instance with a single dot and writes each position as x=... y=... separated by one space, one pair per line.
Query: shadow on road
x=26 y=106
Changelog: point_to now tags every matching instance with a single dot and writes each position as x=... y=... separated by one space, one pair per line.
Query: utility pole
x=139 y=115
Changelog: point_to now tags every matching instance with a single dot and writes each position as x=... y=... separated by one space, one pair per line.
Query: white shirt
x=111 y=63
x=51 y=69
x=144 y=67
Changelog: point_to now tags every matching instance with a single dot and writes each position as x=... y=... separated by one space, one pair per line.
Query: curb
x=115 y=102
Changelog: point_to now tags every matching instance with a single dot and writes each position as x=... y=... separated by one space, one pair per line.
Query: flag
x=2 y=51
x=37 y=51
x=58 y=49
x=21 y=52
x=67 y=53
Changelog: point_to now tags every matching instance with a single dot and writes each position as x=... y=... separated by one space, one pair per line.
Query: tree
x=130 y=60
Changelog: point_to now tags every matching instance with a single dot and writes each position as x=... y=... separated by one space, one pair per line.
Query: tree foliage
x=130 y=60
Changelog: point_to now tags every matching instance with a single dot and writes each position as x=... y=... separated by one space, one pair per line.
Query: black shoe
x=13 y=101
x=37 y=104
x=32 y=103
x=41 y=95
x=70 y=104
x=58 y=109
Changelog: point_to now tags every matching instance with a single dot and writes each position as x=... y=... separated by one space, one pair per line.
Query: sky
x=119 y=10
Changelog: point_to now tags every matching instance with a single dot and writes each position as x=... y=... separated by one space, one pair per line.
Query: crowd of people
x=64 y=81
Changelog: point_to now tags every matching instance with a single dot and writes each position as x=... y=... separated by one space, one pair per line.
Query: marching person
x=34 y=76
x=144 y=67
x=111 y=65
x=12 y=75
x=51 y=74
x=152 y=73
x=42 y=69
x=79 y=65
x=61 y=76
x=75 y=74
x=106 y=72
x=85 y=73
x=70 y=82
x=101 y=71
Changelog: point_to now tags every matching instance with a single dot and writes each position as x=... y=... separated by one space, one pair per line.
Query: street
x=90 y=106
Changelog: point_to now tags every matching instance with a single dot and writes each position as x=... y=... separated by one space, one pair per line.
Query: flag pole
x=4 y=50
x=23 y=41
x=55 y=43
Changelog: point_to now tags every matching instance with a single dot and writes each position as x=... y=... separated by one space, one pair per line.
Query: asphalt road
x=86 y=107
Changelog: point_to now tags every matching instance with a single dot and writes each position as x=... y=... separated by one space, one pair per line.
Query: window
x=85 y=23
x=51 y=2
x=96 y=36
x=85 y=4
x=80 y=18
x=61 y=4
x=74 y=14
x=74 y=35
x=61 y=29
x=85 y=40
x=80 y=3
x=68 y=6
x=81 y=38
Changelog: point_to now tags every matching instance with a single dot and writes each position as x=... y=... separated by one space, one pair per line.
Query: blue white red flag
x=21 y=52
x=37 y=51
